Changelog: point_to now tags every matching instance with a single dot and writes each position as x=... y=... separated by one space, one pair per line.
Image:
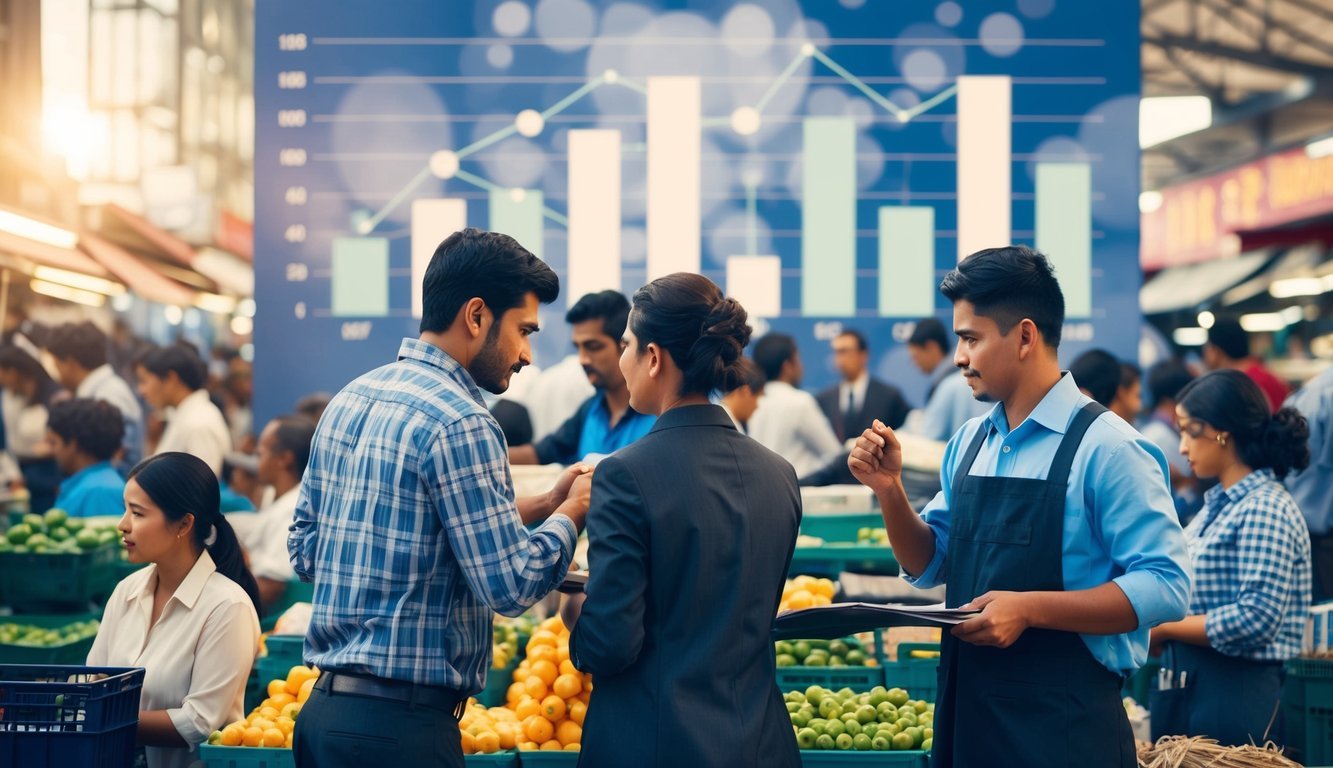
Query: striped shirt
x=1251 y=554
x=407 y=526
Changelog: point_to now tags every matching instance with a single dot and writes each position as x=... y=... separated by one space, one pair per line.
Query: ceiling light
x=79 y=280
x=40 y=231
x=1190 y=337
x=66 y=293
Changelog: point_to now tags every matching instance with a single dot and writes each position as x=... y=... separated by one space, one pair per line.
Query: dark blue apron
x=1235 y=701
x=1045 y=700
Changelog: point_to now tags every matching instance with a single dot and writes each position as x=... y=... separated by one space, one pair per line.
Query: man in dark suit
x=853 y=404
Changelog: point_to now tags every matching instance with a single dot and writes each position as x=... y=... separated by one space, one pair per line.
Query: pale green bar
x=828 y=225
x=520 y=219
x=1064 y=230
x=906 y=261
x=360 y=277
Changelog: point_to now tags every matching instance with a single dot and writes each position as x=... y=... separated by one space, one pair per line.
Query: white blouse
x=209 y=619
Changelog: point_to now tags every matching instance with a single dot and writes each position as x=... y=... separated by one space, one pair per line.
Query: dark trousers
x=344 y=730
x=1321 y=554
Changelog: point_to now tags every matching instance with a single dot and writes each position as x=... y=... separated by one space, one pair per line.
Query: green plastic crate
x=1307 y=704
x=215 y=756
x=832 y=559
x=505 y=759
x=548 y=759
x=818 y=758
x=839 y=526
x=859 y=679
x=297 y=591
x=497 y=685
x=919 y=677
x=55 y=582
x=284 y=652
x=74 y=653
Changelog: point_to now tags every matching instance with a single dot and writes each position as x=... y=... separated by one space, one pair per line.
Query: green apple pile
x=876 y=536
x=12 y=633
x=880 y=720
x=56 y=533
x=846 y=652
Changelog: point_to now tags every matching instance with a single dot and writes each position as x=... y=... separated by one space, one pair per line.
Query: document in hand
x=574 y=582
x=842 y=619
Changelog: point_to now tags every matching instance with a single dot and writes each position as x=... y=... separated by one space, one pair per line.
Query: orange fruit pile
x=272 y=722
x=549 y=697
x=806 y=592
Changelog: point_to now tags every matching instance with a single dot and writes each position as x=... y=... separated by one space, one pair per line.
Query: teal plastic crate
x=1307 y=704
x=548 y=759
x=839 y=527
x=506 y=759
x=497 y=685
x=859 y=679
x=297 y=591
x=55 y=582
x=919 y=677
x=819 y=758
x=284 y=652
x=246 y=757
x=832 y=559
x=70 y=653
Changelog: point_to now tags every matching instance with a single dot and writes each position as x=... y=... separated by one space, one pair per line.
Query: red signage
x=236 y=234
x=1204 y=219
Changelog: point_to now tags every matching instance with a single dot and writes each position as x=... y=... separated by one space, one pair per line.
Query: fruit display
x=879 y=720
x=847 y=652
x=487 y=731
x=548 y=697
x=806 y=592
x=31 y=636
x=56 y=533
x=271 y=723
x=505 y=637
x=878 y=537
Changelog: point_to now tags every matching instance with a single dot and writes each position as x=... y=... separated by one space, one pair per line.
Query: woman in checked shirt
x=1222 y=665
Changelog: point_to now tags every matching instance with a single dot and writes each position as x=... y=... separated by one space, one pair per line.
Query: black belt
x=395 y=690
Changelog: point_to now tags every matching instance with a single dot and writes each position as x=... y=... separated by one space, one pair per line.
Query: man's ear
x=1029 y=338
x=475 y=316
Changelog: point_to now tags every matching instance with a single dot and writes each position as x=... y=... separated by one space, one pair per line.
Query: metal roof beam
x=1253 y=58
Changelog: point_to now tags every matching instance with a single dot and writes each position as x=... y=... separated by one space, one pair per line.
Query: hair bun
x=1286 y=439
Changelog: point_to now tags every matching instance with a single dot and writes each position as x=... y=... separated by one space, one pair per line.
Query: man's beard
x=490 y=369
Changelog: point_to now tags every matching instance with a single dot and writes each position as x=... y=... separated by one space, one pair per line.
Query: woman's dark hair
x=177 y=358
x=487 y=265
x=704 y=331
x=1230 y=401
x=95 y=425
x=1009 y=284
x=1098 y=372
x=27 y=366
x=181 y=484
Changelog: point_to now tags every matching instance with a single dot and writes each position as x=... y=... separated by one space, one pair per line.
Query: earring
x=1222 y=440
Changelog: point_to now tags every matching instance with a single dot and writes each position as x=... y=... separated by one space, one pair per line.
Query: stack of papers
x=842 y=619
x=574 y=583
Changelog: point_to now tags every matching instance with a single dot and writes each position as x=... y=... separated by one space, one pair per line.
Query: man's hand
x=560 y=491
x=1003 y=619
x=876 y=461
x=575 y=505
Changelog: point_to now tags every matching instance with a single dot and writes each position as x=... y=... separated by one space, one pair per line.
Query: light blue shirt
x=1312 y=488
x=950 y=405
x=1120 y=522
x=94 y=491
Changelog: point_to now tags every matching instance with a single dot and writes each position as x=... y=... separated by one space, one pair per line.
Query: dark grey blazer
x=882 y=401
x=690 y=533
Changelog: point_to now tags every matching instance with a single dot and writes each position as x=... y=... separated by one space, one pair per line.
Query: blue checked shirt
x=407 y=526
x=1251 y=554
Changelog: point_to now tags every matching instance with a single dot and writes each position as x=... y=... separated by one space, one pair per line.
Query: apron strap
x=964 y=466
x=1064 y=456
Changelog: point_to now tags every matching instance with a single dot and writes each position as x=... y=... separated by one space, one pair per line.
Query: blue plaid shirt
x=406 y=524
x=1251 y=554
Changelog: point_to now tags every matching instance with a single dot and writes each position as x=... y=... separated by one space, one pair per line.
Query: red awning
x=50 y=255
x=172 y=246
x=141 y=279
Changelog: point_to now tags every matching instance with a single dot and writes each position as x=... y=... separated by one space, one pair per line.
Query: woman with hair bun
x=1222 y=665
x=690 y=533
x=189 y=618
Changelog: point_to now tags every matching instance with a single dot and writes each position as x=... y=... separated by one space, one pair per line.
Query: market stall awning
x=1177 y=288
x=142 y=280
x=50 y=255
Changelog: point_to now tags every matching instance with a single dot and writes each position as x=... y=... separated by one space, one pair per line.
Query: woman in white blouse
x=189 y=618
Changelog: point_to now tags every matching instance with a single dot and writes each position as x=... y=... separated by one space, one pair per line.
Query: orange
x=546 y=670
x=573 y=747
x=527 y=708
x=274 y=737
x=567 y=686
x=569 y=732
x=288 y=745
x=515 y=692
x=541 y=653
x=262 y=723
x=488 y=742
x=298 y=675
x=232 y=735
x=252 y=737
x=469 y=743
x=280 y=700
x=542 y=637
x=577 y=711
x=304 y=692
x=536 y=687
x=291 y=710
x=567 y=667
x=586 y=697
x=538 y=729
x=285 y=724
x=553 y=708
x=527 y=746
x=551 y=746
x=562 y=650
x=277 y=686
x=269 y=712
x=508 y=733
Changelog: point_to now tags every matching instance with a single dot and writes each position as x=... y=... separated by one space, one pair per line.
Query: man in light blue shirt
x=84 y=434
x=949 y=401
x=1312 y=487
x=1055 y=520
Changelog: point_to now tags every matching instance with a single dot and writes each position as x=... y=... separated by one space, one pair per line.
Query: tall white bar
x=674 y=152
x=432 y=221
x=756 y=282
x=984 y=163
x=594 y=212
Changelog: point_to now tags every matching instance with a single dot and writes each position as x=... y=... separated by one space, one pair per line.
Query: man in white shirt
x=284 y=451
x=789 y=421
x=173 y=377
x=80 y=352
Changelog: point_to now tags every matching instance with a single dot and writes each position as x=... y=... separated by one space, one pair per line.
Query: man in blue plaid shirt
x=407 y=522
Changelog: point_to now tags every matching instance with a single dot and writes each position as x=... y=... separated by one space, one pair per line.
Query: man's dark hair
x=1009 y=284
x=312 y=405
x=293 y=435
x=95 y=425
x=611 y=307
x=82 y=342
x=855 y=334
x=1166 y=379
x=929 y=330
x=1098 y=372
x=1228 y=336
x=180 y=358
x=1129 y=373
x=771 y=351
x=749 y=376
x=487 y=265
